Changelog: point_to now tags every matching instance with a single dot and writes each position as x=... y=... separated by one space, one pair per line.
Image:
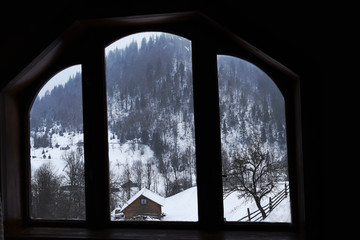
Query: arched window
x=56 y=149
x=161 y=116
x=253 y=144
x=151 y=123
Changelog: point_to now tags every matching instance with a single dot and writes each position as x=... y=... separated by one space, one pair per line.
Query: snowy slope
x=182 y=206
x=118 y=154
x=235 y=209
x=55 y=155
x=128 y=152
x=281 y=213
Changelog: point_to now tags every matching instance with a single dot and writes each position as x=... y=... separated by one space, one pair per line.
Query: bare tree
x=126 y=178
x=165 y=170
x=149 y=172
x=75 y=175
x=46 y=196
x=254 y=173
x=114 y=190
x=137 y=172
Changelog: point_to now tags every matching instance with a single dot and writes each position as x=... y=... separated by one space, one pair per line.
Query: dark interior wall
x=28 y=28
x=289 y=33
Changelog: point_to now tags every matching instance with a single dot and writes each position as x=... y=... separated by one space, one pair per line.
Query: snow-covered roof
x=148 y=194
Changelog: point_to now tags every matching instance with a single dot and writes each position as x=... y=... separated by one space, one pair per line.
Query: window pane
x=56 y=152
x=253 y=140
x=151 y=128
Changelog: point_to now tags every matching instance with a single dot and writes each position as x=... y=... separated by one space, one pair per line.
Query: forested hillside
x=57 y=111
x=251 y=106
x=150 y=94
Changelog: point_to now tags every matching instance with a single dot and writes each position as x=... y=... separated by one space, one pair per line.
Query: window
x=57 y=152
x=143 y=201
x=151 y=121
x=150 y=118
x=253 y=144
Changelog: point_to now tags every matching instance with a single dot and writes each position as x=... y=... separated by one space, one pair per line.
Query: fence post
x=248 y=210
x=270 y=205
x=286 y=191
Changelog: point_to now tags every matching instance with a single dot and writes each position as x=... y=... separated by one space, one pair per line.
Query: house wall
x=135 y=208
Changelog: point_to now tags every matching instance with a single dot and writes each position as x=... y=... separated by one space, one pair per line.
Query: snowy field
x=179 y=207
x=128 y=153
x=55 y=155
x=183 y=207
x=118 y=154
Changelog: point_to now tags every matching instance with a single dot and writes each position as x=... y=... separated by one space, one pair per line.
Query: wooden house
x=143 y=205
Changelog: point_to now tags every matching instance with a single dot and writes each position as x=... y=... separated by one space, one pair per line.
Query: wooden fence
x=273 y=203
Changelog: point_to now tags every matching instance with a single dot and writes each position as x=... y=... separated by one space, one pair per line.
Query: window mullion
x=95 y=139
x=207 y=122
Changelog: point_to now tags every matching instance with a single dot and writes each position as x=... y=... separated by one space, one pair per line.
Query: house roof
x=148 y=194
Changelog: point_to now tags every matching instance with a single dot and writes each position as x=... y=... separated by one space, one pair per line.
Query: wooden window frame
x=84 y=43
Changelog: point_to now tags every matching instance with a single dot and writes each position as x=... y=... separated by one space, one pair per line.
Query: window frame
x=283 y=89
x=28 y=188
x=72 y=48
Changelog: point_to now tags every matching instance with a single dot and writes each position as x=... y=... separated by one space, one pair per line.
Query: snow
x=128 y=152
x=179 y=207
x=281 y=213
x=235 y=209
x=119 y=154
x=56 y=154
x=182 y=206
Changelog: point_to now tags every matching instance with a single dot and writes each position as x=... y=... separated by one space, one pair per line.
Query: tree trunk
x=257 y=201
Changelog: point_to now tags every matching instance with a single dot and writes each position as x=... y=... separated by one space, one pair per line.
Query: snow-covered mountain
x=151 y=131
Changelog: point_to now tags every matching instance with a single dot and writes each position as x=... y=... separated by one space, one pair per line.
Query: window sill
x=82 y=233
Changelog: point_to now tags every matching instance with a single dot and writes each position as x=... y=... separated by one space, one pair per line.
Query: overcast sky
x=125 y=41
x=60 y=79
